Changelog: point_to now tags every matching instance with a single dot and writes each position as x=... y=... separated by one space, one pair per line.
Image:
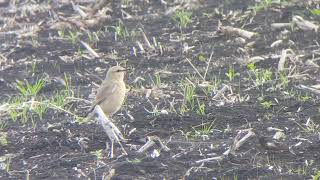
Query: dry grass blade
x=91 y=51
x=195 y=69
x=146 y=40
x=142 y=51
x=208 y=64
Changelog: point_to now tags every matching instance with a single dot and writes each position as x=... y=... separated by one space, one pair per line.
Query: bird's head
x=116 y=73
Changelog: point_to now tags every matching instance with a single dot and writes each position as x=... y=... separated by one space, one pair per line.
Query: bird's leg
x=111 y=149
x=116 y=130
x=111 y=130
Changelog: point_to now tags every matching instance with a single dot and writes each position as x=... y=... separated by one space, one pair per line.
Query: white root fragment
x=153 y=140
x=195 y=69
x=217 y=158
x=304 y=24
x=237 y=143
x=237 y=31
x=111 y=130
x=276 y=43
x=221 y=91
x=146 y=146
x=270 y=129
x=280 y=25
x=91 y=51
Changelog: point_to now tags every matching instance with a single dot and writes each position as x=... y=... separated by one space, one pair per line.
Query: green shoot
x=28 y=89
x=231 y=74
x=182 y=18
x=3 y=139
x=201 y=108
x=157 y=80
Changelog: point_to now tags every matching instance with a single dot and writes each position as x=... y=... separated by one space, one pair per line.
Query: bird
x=111 y=93
x=272 y=144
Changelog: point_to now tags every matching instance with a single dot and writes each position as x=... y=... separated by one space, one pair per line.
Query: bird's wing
x=104 y=90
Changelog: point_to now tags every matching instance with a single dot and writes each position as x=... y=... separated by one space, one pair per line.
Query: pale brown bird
x=111 y=94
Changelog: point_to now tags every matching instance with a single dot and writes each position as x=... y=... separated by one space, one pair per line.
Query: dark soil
x=51 y=148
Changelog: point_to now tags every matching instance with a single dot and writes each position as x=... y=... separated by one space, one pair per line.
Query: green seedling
x=3 y=125
x=40 y=108
x=283 y=78
x=189 y=92
x=93 y=36
x=183 y=109
x=33 y=67
x=156 y=81
x=59 y=99
x=13 y=114
x=316 y=176
x=267 y=104
x=30 y=90
x=201 y=108
x=262 y=5
x=182 y=18
x=120 y=30
x=203 y=129
x=61 y=33
x=304 y=98
x=8 y=164
x=24 y=113
x=263 y=76
x=202 y=58
x=125 y=3
x=3 y=139
x=259 y=76
x=251 y=67
x=315 y=12
x=207 y=90
x=98 y=154
x=231 y=74
x=73 y=37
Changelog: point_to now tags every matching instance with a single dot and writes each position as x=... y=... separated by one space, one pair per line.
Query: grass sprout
x=231 y=74
x=27 y=89
x=182 y=18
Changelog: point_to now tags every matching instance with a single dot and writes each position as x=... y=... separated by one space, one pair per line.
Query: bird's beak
x=124 y=70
